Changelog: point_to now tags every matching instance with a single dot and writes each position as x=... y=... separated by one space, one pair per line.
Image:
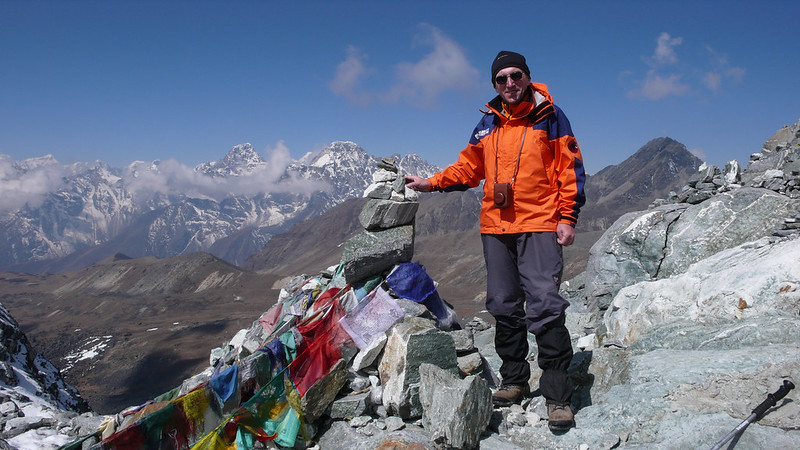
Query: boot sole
x=502 y=402
x=561 y=425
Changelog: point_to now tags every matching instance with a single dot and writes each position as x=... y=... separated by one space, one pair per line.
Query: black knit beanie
x=509 y=59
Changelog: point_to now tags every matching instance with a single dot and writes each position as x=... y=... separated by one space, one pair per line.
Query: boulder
x=411 y=343
x=746 y=281
x=666 y=240
x=455 y=411
x=381 y=214
x=463 y=340
x=470 y=363
x=367 y=356
x=319 y=396
x=373 y=252
x=349 y=406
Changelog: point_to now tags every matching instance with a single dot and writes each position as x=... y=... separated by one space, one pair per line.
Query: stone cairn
x=383 y=366
x=776 y=167
x=388 y=221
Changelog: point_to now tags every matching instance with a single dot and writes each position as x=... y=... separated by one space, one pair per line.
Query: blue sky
x=122 y=81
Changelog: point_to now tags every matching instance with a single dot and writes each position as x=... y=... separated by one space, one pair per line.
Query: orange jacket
x=548 y=187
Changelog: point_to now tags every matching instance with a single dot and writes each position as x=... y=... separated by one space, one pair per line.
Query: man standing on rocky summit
x=524 y=148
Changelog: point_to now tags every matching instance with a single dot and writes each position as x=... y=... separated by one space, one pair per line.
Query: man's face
x=512 y=91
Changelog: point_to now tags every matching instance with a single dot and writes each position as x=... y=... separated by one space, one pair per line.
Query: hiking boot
x=559 y=417
x=509 y=394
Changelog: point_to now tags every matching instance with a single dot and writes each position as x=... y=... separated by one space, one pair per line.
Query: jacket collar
x=537 y=105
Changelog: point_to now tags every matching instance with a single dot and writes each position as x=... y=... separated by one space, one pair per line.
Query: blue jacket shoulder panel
x=483 y=129
x=559 y=125
x=556 y=124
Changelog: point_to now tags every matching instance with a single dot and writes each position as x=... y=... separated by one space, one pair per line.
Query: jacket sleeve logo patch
x=572 y=145
x=481 y=133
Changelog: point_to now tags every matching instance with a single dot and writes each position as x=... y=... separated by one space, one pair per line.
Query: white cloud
x=669 y=76
x=446 y=67
x=721 y=70
x=656 y=87
x=712 y=80
x=735 y=73
x=665 y=49
x=22 y=184
x=349 y=74
x=30 y=181
x=278 y=159
x=419 y=83
x=170 y=177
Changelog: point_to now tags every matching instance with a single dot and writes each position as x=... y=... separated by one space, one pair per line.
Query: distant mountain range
x=86 y=212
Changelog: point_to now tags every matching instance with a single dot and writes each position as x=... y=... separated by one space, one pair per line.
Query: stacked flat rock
x=388 y=221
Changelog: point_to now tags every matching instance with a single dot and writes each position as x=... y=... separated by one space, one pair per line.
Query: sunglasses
x=501 y=79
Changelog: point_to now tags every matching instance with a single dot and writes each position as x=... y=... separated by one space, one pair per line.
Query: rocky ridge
x=776 y=168
x=35 y=401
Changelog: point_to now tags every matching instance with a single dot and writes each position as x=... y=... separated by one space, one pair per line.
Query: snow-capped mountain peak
x=242 y=159
x=339 y=153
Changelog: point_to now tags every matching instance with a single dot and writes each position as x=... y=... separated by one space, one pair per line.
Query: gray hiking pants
x=523 y=277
